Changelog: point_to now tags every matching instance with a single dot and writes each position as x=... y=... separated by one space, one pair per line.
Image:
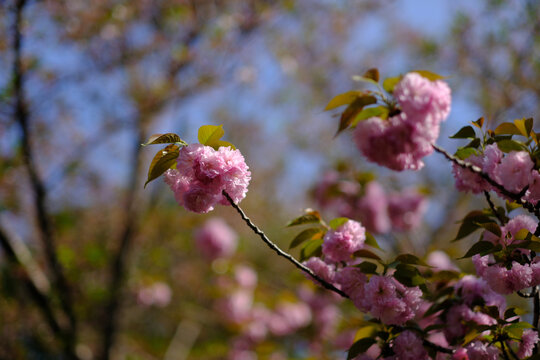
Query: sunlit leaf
x=308 y=234
x=372 y=74
x=168 y=138
x=353 y=110
x=464 y=152
x=429 y=75
x=390 y=83
x=210 y=135
x=371 y=241
x=162 y=161
x=308 y=218
x=507 y=146
x=310 y=249
x=344 y=99
x=524 y=125
x=337 y=222
x=478 y=123
x=366 y=113
x=507 y=128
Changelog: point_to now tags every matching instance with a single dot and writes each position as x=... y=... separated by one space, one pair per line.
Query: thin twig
x=492 y=207
x=503 y=348
x=280 y=252
x=518 y=197
x=536 y=308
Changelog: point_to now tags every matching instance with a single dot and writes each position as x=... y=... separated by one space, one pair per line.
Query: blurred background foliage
x=99 y=77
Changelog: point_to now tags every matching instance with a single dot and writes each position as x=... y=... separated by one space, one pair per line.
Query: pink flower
x=480 y=351
x=533 y=193
x=460 y=354
x=466 y=180
x=406 y=210
x=372 y=209
x=321 y=269
x=352 y=281
x=440 y=261
x=474 y=290
x=341 y=243
x=518 y=223
x=506 y=281
x=203 y=173
x=245 y=276
x=236 y=307
x=408 y=346
x=418 y=95
x=528 y=341
x=480 y=264
x=215 y=239
x=492 y=158
x=289 y=317
x=514 y=170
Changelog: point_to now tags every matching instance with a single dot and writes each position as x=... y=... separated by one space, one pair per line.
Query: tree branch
x=40 y=193
x=280 y=252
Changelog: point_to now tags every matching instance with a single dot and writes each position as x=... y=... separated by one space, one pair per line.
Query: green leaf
x=360 y=347
x=210 y=135
x=507 y=128
x=162 y=161
x=367 y=267
x=492 y=227
x=337 y=222
x=366 y=254
x=343 y=99
x=481 y=247
x=516 y=330
x=164 y=139
x=354 y=109
x=510 y=145
x=378 y=111
x=308 y=234
x=511 y=206
x=466 y=132
x=410 y=259
x=312 y=248
x=408 y=275
x=464 y=152
x=513 y=312
x=524 y=125
x=364 y=79
x=308 y=218
x=466 y=229
x=429 y=75
x=390 y=83
x=371 y=241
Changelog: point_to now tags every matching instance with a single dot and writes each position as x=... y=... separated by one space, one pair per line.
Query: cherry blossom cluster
x=378 y=211
x=215 y=239
x=401 y=141
x=202 y=173
x=514 y=171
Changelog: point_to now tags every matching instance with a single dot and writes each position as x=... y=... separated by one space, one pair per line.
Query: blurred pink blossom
x=215 y=239
x=158 y=294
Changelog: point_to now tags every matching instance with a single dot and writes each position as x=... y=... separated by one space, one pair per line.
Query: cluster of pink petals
x=510 y=230
x=408 y=346
x=401 y=142
x=528 y=341
x=215 y=239
x=476 y=350
x=202 y=173
x=514 y=172
x=506 y=281
x=341 y=243
x=378 y=211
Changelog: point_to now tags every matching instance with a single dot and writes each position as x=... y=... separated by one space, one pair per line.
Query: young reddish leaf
x=308 y=218
x=162 y=161
x=308 y=234
x=372 y=74
x=390 y=83
x=478 y=123
x=354 y=109
x=164 y=139
x=337 y=222
x=524 y=126
x=343 y=99
x=466 y=132
x=507 y=128
x=429 y=75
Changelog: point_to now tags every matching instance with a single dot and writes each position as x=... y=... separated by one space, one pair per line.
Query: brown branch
x=40 y=193
x=280 y=252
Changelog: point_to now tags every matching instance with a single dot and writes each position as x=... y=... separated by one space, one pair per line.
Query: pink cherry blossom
x=439 y=260
x=408 y=346
x=479 y=351
x=352 y=281
x=321 y=269
x=528 y=341
x=514 y=171
x=203 y=173
x=372 y=209
x=533 y=193
x=406 y=210
x=341 y=243
x=215 y=239
x=466 y=180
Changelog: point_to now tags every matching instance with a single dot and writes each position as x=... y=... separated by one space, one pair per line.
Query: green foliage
x=309 y=217
x=210 y=135
x=307 y=235
x=360 y=347
x=162 y=161
x=168 y=138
